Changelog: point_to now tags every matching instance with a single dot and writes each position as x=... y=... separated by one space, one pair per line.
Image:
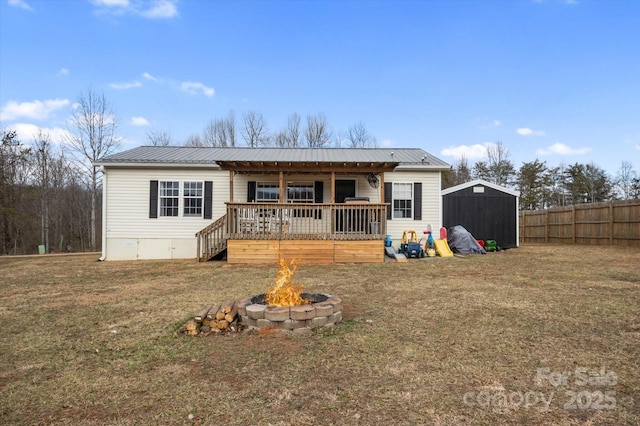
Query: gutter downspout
x=104 y=215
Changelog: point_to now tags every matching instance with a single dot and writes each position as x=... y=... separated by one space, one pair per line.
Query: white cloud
x=562 y=149
x=155 y=9
x=467 y=151
x=63 y=71
x=193 y=87
x=139 y=121
x=37 y=110
x=149 y=77
x=22 y=4
x=125 y=86
x=387 y=143
x=27 y=132
x=525 y=131
x=161 y=9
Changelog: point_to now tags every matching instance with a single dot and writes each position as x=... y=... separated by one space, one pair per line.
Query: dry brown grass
x=84 y=342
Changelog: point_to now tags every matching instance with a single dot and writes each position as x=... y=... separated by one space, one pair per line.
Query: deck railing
x=292 y=221
x=303 y=221
x=212 y=240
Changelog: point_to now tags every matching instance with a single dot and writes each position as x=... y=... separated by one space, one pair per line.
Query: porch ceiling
x=307 y=166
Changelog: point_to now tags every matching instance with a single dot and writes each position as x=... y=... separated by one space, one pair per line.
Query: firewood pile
x=213 y=319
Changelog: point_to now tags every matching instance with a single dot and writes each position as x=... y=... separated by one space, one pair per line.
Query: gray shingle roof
x=207 y=155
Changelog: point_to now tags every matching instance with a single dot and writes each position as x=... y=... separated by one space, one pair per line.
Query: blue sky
x=557 y=80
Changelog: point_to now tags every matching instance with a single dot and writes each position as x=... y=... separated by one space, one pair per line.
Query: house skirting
x=307 y=251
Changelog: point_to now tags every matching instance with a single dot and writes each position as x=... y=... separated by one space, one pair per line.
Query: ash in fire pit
x=286 y=306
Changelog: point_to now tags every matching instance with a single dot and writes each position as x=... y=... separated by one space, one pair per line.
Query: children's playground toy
x=410 y=246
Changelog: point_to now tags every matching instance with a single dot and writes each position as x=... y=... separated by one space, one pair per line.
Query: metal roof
x=178 y=155
x=479 y=182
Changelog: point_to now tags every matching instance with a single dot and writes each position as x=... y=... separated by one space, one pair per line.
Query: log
x=223 y=324
x=220 y=315
x=203 y=313
x=228 y=305
x=213 y=311
x=191 y=326
x=231 y=315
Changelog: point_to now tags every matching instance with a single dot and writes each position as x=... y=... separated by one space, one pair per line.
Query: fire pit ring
x=325 y=310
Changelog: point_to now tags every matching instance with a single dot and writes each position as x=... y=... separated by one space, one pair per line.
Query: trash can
x=41 y=249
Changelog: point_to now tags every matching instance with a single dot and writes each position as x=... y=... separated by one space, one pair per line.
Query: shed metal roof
x=180 y=155
x=479 y=182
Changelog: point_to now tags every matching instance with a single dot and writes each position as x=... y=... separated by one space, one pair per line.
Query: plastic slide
x=442 y=248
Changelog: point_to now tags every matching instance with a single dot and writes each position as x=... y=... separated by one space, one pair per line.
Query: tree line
x=51 y=194
x=253 y=130
x=542 y=186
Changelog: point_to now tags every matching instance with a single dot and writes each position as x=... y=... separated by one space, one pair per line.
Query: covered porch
x=297 y=224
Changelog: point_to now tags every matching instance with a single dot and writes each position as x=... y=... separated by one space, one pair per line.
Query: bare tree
x=359 y=137
x=292 y=132
x=317 y=134
x=221 y=131
x=92 y=136
x=159 y=138
x=254 y=129
x=43 y=161
x=194 y=141
x=498 y=168
x=624 y=180
x=280 y=139
x=230 y=129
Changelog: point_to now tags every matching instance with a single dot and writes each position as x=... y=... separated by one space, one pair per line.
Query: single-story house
x=322 y=205
x=488 y=211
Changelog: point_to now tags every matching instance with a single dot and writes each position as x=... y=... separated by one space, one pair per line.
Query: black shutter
x=208 y=199
x=318 y=190
x=251 y=191
x=387 y=199
x=417 y=201
x=153 y=199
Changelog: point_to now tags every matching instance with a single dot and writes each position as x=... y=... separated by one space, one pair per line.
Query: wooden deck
x=307 y=251
x=314 y=233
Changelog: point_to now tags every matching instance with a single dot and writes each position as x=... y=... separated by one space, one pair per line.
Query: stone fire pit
x=325 y=310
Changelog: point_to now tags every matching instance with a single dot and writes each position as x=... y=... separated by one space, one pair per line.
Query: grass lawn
x=537 y=335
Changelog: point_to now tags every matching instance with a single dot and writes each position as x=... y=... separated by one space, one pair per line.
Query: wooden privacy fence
x=610 y=223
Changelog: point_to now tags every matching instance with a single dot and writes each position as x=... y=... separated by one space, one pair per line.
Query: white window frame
x=400 y=195
x=271 y=186
x=178 y=194
x=192 y=198
x=309 y=189
x=169 y=198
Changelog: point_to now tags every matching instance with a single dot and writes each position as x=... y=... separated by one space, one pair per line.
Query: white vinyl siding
x=431 y=202
x=127 y=221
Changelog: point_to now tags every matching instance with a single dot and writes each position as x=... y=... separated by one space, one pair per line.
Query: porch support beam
x=281 y=186
x=382 y=187
x=231 y=173
x=333 y=187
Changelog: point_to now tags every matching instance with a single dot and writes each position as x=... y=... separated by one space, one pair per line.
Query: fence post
x=573 y=224
x=611 y=222
x=546 y=226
